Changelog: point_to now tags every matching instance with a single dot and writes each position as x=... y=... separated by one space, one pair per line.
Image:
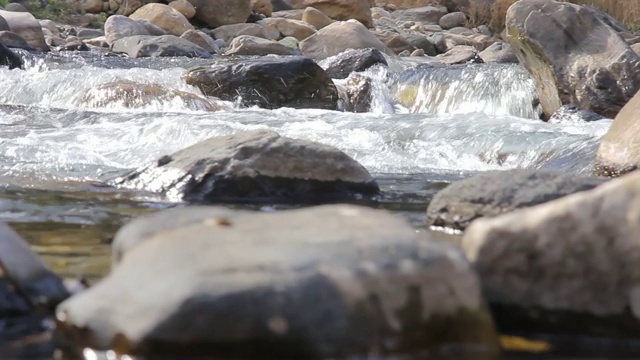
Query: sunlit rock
x=460 y=54
x=165 y=17
x=321 y=282
x=254 y=165
x=263 y=7
x=341 y=10
x=216 y=13
x=425 y=14
x=184 y=7
x=316 y=18
x=269 y=82
x=287 y=27
x=228 y=32
x=201 y=39
x=498 y=52
x=251 y=45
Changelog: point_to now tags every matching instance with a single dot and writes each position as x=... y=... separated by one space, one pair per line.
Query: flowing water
x=428 y=125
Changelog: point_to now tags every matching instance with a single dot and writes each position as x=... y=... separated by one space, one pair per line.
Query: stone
x=13 y=40
x=570 y=262
x=418 y=52
x=295 y=81
x=151 y=28
x=89 y=33
x=341 y=10
x=280 y=5
x=4 y=25
x=157 y=46
x=499 y=52
x=573 y=56
x=423 y=43
x=460 y=54
x=315 y=283
x=289 y=14
x=493 y=193
x=228 y=32
x=251 y=45
x=378 y=13
x=100 y=41
x=636 y=48
x=358 y=90
x=92 y=6
x=338 y=37
x=316 y=18
x=254 y=166
x=342 y=65
x=619 y=150
x=425 y=15
x=25 y=25
x=397 y=43
x=184 y=7
x=15 y=7
x=571 y=114
x=9 y=58
x=126 y=7
x=201 y=39
x=74 y=45
x=290 y=42
x=287 y=27
x=118 y=27
x=478 y=41
x=215 y=13
x=452 y=20
x=165 y=17
x=263 y=7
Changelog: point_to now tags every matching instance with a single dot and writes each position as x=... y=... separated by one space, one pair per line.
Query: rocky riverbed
x=318 y=179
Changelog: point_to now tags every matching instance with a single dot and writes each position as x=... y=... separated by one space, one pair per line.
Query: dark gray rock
x=254 y=166
x=280 y=5
x=156 y=46
x=422 y=42
x=269 y=82
x=334 y=281
x=4 y=25
x=9 y=58
x=13 y=40
x=495 y=193
x=571 y=114
x=342 y=65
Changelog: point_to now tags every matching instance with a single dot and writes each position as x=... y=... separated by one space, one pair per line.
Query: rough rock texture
x=201 y=39
x=576 y=256
x=322 y=282
x=155 y=46
x=228 y=32
x=356 y=91
x=254 y=165
x=222 y=12
x=341 y=9
x=184 y=7
x=287 y=27
x=316 y=18
x=338 y=37
x=619 y=150
x=573 y=56
x=25 y=25
x=499 y=52
x=268 y=82
x=251 y=45
x=9 y=58
x=571 y=114
x=165 y=17
x=342 y=65
x=117 y=27
x=495 y=193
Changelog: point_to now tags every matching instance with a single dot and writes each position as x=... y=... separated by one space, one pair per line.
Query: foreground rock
x=254 y=165
x=338 y=37
x=570 y=265
x=342 y=65
x=295 y=81
x=216 y=13
x=495 y=193
x=619 y=152
x=25 y=25
x=9 y=58
x=156 y=46
x=320 y=282
x=582 y=61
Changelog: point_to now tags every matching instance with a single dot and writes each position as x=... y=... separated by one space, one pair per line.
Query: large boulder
x=570 y=265
x=27 y=26
x=619 y=150
x=117 y=27
x=165 y=17
x=573 y=56
x=251 y=45
x=494 y=193
x=342 y=65
x=156 y=46
x=9 y=58
x=216 y=13
x=341 y=9
x=323 y=282
x=338 y=37
x=452 y=20
x=267 y=82
x=254 y=166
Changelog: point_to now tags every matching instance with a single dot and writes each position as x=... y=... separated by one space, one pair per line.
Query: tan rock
x=117 y=27
x=92 y=6
x=26 y=25
x=201 y=39
x=316 y=18
x=286 y=27
x=216 y=13
x=251 y=45
x=165 y=17
x=341 y=9
x=262 y=7
x=228 y=32
x=184 y=7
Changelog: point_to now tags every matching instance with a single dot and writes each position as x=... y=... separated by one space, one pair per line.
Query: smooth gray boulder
x=322 y=282
x=494 y=193
x=254 y=166
x=156 y=46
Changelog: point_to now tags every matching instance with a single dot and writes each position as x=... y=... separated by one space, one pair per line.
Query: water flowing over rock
x=571 y=114
x=216 y=13
x=117 y=27
x=267 y=82
x=320 y=282
x=251 y=45
x=341 y=10
x=165 y=17
x=155 y=46
x=9 y=58
x=25 y=25
x=254 y=165
x=570 y=265
x=495 y=193
x=573 y=55
x=342 y=65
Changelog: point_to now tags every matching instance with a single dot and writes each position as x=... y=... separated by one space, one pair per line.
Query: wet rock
x=357 y=91
x=216 y=13
x=341 y=10
x=452 y=20
x=316 y=18
x=132 y=95
x=570 y=265
x=251 y=45
x=296 y=82
x=254 y=166
x=342 y=65
x=499 y=52
x=118 y=27
x=495 y=193
x=228 y=32
x=201 y=39
x=13 y=40
x=619 y=152
x=571 y=114
x=25 y=25
x=321 y=282
x=287 y=27
x=155 y=46
x=582 y=61
x=184 y=7
x=460 y=54
x=338 y=37
x=263 y=7
x=425 y=14
x=165 y=17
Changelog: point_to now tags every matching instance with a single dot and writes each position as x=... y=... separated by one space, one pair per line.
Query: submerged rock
x=571 y=114
x=342 y=65
x=321 y=282
x=155 y=46
x=573 y=56
x=567 y=266
x=254 y=166
x=269 y=82
x=9 y=58
x=495 y=193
